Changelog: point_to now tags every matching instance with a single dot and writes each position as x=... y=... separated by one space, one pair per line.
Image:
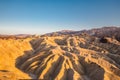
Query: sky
x=44 y=16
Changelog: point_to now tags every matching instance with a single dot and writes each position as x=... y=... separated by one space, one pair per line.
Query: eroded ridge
x=72 y=58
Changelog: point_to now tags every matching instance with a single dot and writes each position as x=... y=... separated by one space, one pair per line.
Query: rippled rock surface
x=67 y=55
x=72 y=58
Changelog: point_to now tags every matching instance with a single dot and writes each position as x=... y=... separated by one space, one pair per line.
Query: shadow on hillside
x=21 y=59
x=70 y=74
x=92 y=70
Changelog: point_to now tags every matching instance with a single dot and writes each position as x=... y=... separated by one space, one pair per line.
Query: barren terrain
x=61 y=57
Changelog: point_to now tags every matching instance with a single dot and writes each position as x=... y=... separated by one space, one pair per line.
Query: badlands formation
x=60 y=57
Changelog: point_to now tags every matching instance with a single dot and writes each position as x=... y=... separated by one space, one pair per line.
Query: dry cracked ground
x=64 y=57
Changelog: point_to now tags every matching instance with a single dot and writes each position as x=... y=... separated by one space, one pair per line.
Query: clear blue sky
x=43 y=16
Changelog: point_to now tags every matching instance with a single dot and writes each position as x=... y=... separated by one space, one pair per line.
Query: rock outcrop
x=69 y=56
x=72 y=58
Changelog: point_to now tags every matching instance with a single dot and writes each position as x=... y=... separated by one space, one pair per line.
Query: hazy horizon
x=44 y=16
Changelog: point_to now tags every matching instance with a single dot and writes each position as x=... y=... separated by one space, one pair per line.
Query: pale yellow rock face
x=10 y=50
x=60 y=58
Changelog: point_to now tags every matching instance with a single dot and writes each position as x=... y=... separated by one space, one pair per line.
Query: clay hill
x=73 y=55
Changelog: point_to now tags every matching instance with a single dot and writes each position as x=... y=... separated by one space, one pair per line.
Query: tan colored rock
x=61 y=58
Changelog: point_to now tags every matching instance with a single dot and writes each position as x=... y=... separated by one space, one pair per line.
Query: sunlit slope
x=10 y=50
x=68 y=57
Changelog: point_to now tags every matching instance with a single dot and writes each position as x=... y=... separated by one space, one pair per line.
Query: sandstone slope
x=10 y=50
x=68 y=57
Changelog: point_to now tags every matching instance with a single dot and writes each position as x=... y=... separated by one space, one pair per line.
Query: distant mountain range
x=113 y=32
x=93 y=31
